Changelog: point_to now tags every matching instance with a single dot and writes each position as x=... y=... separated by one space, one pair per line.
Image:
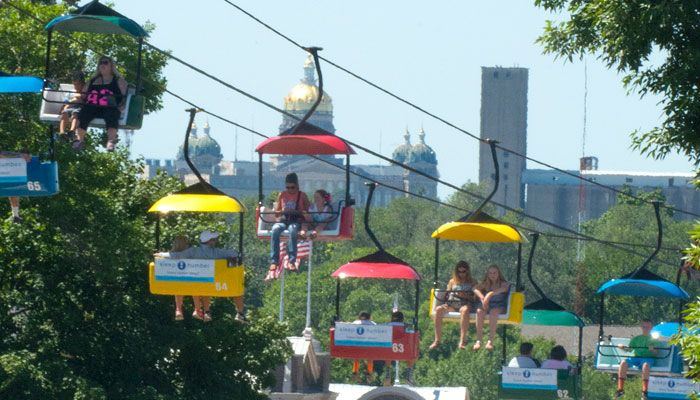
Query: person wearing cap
x=209 y=251
x=290 y=209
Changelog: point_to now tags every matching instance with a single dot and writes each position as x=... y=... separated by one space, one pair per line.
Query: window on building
x=495 y=74
x=505 y=164
x=670 y=182
x=628 y=180
x=506 y=154
x=505 y=177
x=493 y=176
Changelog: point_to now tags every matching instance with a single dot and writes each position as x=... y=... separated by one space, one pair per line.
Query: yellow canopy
x=197 y=203
x=479 y=232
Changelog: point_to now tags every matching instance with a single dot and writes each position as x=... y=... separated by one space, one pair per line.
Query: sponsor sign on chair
x=529 y=378
x=671 y=388
x=181 y=270
x=347 y=334
x=13 y=170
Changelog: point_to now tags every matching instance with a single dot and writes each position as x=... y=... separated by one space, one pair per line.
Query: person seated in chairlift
x=209 y=251
x=557 y=359
x=397 y=319
x=290 y=210
x=74 y=102
x=643 y=348
x=524 y=360
x=461 y=298
x=493 y=293
x=105 y=98
x=321 y=212
x=363 y=318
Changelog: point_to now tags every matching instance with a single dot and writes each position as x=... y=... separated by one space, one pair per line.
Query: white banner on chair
x=671 y=388
x=529 y=378
x=13 y=170
x=181 y=270
x=358 y=335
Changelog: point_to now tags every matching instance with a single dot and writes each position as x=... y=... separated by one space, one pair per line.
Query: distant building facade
x=548 y=194
x=240 y=178
x=504 y=119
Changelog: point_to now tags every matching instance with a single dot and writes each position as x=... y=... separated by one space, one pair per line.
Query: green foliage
x=625 y=35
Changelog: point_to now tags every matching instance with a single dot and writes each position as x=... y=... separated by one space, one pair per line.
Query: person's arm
x=277 y=206
x=226 y=253
x=505 y=286
x=478 y=294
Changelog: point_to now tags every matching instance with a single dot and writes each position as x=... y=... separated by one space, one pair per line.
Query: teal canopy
x=96 y=18
x=551 y=318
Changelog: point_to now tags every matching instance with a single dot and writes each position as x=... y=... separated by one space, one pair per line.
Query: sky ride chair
x=192 y=277
x=19 y=177
x=666 y=375
x=382 y=341
x=531 y=383
x=307 y=139
x=481 y=227
x=93 y=17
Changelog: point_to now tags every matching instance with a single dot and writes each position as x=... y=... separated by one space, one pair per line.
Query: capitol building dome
x=302 y=96
x=205 y=151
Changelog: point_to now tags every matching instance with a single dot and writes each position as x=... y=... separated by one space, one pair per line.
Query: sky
x=431 y=53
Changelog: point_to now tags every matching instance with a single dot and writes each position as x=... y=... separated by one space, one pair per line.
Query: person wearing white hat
x=209 y=251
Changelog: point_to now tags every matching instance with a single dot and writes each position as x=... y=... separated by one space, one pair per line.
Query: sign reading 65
x=34 y=186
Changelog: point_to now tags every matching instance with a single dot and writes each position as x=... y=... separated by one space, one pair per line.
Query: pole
x=282 y=294
x=308 y=290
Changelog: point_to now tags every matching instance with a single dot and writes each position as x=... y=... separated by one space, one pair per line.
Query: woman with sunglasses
x=460 y=298
x=105 y=98
x=291 y=210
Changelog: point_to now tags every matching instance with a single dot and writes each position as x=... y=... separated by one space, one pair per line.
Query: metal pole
x=347 y=181
x=602 y=313
x=518 y=278
x=47 y=67
x=308 y=287
x=505 y=343
x=138 y=66
x=437 y=262
x=282 y=293
x=260 y=179
x=337 y=300
x=579 y=363
x=157 y=231
x=240 y=238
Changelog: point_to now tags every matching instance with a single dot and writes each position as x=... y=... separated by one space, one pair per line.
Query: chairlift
x=93 y=17
x=194 y=277
x=307 y=139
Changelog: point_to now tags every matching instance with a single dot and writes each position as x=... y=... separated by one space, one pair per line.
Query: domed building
x=240 y=178
x=403 y=152
x=205 y=152
x=302 y=96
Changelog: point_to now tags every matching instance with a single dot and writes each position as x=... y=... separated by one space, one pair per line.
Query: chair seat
x=513 y=314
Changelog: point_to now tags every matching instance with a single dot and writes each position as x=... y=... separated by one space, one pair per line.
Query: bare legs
x=493 y=324
x=112 y=138
x=622 y=375
x=464 y=324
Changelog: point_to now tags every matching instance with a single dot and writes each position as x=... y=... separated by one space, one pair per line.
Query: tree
x=76 y=318
x=625 y=35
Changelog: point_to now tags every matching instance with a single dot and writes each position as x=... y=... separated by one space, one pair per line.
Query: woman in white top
x=321 y=212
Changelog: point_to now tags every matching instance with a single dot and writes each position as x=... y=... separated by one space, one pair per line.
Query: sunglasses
x=104 y=62
x=462 y=272
x=291 y=187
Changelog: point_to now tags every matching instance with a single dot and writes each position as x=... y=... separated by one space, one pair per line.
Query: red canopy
x=304 y=144
x=376 y=270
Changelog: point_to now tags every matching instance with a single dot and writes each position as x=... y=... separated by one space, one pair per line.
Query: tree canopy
x=630 y=36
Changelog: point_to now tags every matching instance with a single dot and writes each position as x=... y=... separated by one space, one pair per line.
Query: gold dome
x=302 y=97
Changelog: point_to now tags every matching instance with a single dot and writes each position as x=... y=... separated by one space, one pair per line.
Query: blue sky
x=428 y=52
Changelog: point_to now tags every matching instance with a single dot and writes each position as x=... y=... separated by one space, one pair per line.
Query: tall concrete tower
x=504 y=118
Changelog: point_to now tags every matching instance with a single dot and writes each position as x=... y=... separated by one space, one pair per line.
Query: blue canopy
x=642 y=288
x=20 y=84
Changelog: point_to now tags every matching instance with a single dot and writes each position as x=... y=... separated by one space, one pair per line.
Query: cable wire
x=617 y=245
x=450 y=124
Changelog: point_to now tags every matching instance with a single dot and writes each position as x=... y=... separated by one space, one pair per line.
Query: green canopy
x=96 y=18
x=551 y=318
